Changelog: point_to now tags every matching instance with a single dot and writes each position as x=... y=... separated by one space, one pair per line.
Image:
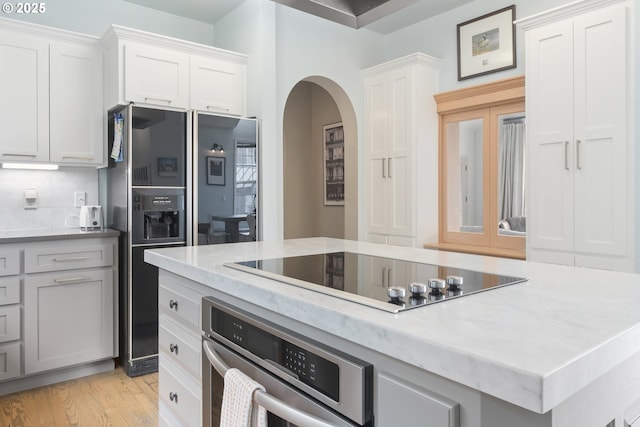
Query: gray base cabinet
x=68 y=319
x=404 y=405
x=58 y=310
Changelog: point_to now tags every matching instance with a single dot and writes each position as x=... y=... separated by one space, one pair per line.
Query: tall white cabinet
x=401 y=134
x=579 y=139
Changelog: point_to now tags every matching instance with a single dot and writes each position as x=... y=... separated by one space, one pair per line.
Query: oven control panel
x=305 y=365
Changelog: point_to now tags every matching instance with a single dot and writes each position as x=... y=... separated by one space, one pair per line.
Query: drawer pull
x=73 y=279
x=74 y=258
x=173 y=348
x=173 y=305
x=173 y=397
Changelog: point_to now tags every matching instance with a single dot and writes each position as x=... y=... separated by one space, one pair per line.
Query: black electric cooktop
x=384 y=283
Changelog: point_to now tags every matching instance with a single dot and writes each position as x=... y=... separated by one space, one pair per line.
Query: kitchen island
x=562 y=349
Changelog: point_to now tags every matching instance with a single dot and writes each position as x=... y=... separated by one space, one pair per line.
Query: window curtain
x=511 y=200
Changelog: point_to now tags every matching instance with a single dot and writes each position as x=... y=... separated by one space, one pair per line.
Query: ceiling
x=382 y=16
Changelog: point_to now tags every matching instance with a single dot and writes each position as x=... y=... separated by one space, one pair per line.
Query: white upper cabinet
x=154 y=75
x=217 y=86
x=577 y=95
x=51 y=107
x=24 y=104
x=76 y=126
x=157 y=70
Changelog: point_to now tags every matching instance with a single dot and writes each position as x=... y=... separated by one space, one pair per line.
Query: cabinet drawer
x=9 y=261
x=178 y=397
x=9 y=361
x=74 y=255
x=180 y=304
x=9 y=323
x=9 y=290
x=180 y=346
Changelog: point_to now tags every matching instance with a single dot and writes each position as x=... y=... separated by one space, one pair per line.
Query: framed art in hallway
x=333 y=137
x=487 y=44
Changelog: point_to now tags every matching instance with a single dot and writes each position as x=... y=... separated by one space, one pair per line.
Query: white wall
x=285 y=47
x=438 y=37
x=636 y=136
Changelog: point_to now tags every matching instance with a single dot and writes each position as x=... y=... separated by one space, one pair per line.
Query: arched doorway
x=312 y=104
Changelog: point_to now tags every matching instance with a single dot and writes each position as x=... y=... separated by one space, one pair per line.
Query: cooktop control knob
x=396 y=292
x=417 y=289
x=437 y=285
x=454 y=282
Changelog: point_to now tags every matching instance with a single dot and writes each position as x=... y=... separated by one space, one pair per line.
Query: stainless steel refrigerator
x=226 y=183
x=147 y=194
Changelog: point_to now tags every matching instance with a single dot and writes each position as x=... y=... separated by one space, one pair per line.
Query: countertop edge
x=54 y=234
x=538 y=391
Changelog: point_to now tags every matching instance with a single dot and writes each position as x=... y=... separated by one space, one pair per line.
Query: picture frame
x=216 y=167
x=167 y=167
x=487 y=44
x=333 y=167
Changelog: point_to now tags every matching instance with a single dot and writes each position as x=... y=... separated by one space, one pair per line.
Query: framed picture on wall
x=333 y=137
x=487 y=44
x=215 y=170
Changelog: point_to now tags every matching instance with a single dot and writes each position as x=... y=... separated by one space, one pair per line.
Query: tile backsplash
x=55 y=191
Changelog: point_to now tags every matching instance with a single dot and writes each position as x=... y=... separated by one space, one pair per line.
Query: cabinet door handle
x=20 y=155
x=389 y=167
x=147 y=99
x=566 y=155
x=173 y=305
x=384 y=275
x=384 y=168
x=78 y=157
x=173 y=397
x=73 y=279
x=218 y=107
x=578 y=165
x=73 y=258
x=389 y=277
x=173 y=348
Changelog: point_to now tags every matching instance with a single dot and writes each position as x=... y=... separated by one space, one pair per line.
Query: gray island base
x=560 y=350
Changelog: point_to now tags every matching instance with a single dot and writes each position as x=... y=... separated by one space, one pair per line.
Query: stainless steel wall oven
x=306 y=383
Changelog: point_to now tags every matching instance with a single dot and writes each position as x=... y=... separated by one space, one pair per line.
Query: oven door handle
x=264 y=399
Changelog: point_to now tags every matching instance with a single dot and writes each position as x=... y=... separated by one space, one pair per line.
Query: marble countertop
x=19 y=236
x=532 y=344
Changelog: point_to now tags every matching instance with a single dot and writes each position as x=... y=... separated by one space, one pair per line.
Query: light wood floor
x=109 y=399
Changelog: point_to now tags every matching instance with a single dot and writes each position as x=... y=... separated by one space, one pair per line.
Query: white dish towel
x=238 y=408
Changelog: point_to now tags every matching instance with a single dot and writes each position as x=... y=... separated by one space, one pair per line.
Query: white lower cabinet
x=180 y=350
x=180 y=393
x=68 y=319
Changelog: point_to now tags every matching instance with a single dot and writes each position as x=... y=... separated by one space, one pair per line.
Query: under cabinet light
x=30 y=166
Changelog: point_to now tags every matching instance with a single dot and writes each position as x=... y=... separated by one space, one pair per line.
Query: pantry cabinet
x=580 y=194
x=51 y=108
x=401 y=138
x=162 y=71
